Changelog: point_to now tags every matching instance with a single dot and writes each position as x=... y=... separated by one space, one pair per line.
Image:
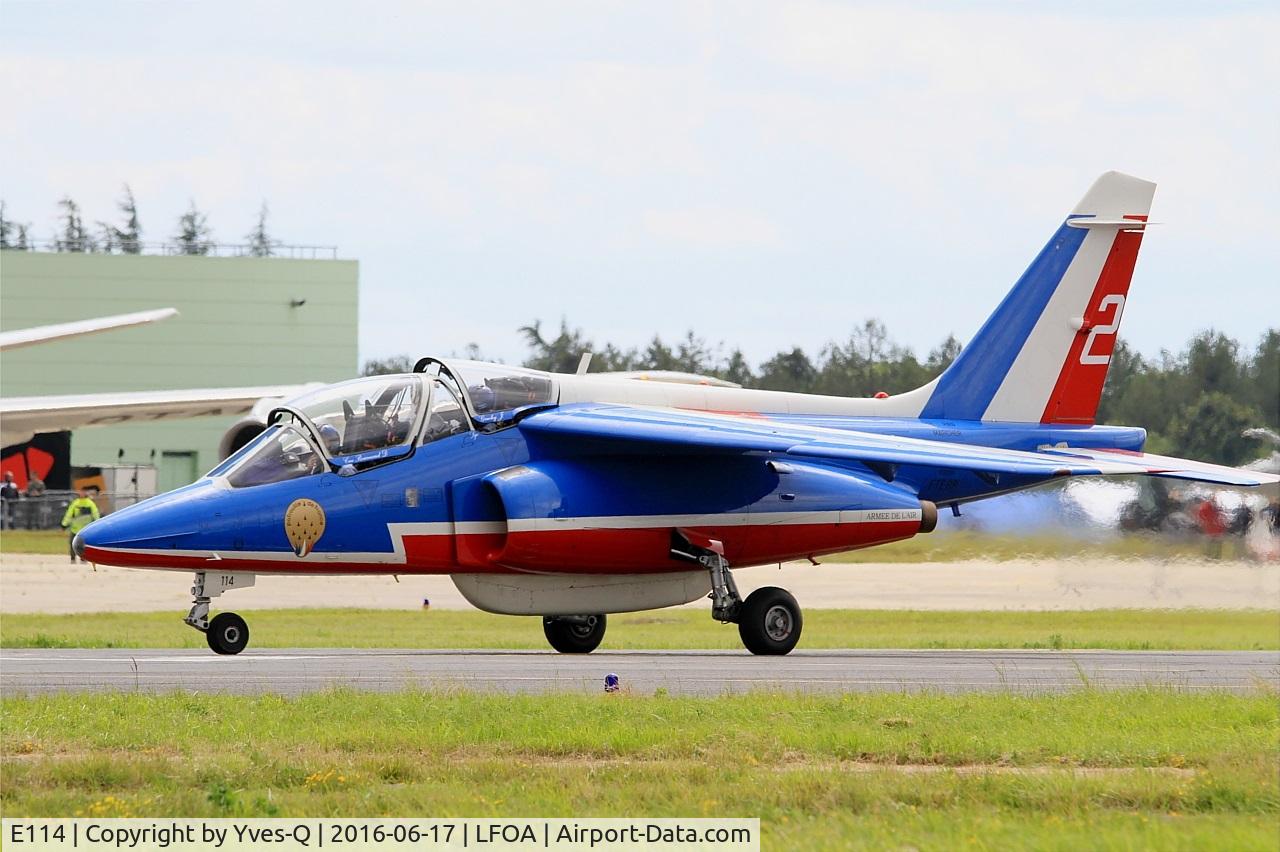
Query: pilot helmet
x=332 y=440
x=483 y=398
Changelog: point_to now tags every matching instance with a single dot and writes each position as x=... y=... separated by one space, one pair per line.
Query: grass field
x=672 y=628
x=946 y=546
x=49 y=542
x=1116 y=769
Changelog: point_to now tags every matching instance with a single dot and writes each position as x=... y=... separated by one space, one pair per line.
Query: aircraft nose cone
x=77 y=544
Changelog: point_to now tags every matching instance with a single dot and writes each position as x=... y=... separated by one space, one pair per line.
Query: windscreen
x=281 y=453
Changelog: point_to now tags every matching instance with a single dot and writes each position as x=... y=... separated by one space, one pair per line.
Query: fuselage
x=467 y=491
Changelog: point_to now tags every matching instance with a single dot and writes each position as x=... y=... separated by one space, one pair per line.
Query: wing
x=48 y=333
x=22 y=417
x=589 y=428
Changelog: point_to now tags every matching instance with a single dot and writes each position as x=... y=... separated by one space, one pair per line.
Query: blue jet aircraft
x=573 y=496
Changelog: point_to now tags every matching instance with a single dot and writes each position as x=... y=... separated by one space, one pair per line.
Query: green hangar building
x=243 y=321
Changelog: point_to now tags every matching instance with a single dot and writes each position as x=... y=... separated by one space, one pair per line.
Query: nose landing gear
x=226 y=633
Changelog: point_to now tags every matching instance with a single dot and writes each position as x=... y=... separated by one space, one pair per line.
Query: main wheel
x=769 y=621
x=227 y=633
x=574 y=636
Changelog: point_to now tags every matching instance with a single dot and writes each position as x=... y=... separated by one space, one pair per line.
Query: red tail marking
x=1079 y=386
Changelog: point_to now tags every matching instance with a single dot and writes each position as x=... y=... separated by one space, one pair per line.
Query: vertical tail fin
x=1042 y=357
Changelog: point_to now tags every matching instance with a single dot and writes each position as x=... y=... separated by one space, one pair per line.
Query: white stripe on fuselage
x=399 y=532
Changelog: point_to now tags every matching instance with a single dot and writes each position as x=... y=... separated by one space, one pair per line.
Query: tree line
x=1194 y=402
x=74 y=234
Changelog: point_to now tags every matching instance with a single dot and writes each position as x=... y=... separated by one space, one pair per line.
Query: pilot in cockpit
x=332 y=440
x=482 y=398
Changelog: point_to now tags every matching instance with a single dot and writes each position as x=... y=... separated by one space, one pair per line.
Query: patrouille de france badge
x=303 y=524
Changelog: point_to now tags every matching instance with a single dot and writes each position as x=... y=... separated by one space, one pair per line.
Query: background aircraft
x=574 y=496
x=21 y=417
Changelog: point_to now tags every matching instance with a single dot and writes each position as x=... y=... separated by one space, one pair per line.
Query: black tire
x=770 y=621
x=574 y=637
x=227 y=633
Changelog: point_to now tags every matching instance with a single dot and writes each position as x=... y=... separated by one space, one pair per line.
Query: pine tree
x=75 y=237
x=260 y=245
x=7 y=229
x=109 y=240
x=941 y=357
x=737 y=370
x=560 y=354
x=129 y=238
x=194 y=236
x=386 y=366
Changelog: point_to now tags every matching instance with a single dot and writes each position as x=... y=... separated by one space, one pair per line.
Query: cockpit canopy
x=363 y=415
x=353 y=425
x=343 y=427
x=495 y=392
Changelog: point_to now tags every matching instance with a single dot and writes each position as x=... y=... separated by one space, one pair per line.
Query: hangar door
x=176 y=470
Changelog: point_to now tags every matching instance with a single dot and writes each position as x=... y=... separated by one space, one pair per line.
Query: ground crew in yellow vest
x=82 y=512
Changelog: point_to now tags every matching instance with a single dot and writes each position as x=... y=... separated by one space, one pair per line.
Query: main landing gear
x=574 y=634
x=226 y=632
x=769 y=620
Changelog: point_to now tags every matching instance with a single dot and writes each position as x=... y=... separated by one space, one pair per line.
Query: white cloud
x=868 y=156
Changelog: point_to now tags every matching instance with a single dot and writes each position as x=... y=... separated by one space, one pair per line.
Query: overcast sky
x=768 y=175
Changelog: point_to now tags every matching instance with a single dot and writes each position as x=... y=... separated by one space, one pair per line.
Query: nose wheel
x=227 y=634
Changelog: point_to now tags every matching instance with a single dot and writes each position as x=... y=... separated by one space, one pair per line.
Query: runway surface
x=49 y=584
x=291 y=672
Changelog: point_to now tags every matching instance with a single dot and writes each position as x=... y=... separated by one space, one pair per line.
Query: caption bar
x=294 y=835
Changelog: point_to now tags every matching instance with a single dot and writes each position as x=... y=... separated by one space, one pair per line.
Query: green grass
x=674 y=628
x=1115 y=769
x=48 y=542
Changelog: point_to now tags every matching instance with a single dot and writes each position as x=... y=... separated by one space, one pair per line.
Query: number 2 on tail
x=1087 y=355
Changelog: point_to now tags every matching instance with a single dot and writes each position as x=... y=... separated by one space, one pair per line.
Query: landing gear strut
x=226 y=633
x=769 y=620
x=574 y=634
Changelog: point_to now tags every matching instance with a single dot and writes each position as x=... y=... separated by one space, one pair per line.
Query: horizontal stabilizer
x=1172 y=468
x=1119 y=224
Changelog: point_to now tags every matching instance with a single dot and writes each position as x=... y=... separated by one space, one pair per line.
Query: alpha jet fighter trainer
x=573 y=496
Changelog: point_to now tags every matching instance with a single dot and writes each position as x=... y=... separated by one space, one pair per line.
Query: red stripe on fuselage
x=1079 y=387
x=590 y=551
x=639 y=551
